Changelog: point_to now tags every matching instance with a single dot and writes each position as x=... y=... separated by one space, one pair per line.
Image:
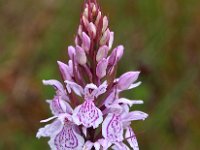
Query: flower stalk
x=88 y=112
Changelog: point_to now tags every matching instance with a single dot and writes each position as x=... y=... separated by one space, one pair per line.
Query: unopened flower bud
x=101 y=68
x=85 y=21
x=71 y=52
x=80 y=55
x=86 y=42
x=102 y=53
x=80 y=30
x=64 y=69
x=85 y=12
x=98 y=18
x=105 y=24
x=105 y=37
x=92 y=29
x=111 y=40
x=127 y=79
x=116 y=55
x=94 y=9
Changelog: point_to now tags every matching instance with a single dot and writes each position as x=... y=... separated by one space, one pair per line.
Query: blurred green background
x=161 y=37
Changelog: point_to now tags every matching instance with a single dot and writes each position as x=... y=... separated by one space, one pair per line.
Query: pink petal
x=75 y=87
x=131 y=138
x=56 y=84
x=112 y=129
x=101 y=89
x=102 y=53
x=64 y=69
x=101 y=68
x=81 y=57
x=116 y=55
x=127 y=79
x=87 y=114
x=86 y=42
x=59 y=106
x=71 y=52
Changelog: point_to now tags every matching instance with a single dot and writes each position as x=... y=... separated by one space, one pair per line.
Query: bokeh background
x=161 y=37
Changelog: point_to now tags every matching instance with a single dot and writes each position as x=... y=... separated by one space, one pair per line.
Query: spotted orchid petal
x=101 y=89
x=49 y=129
x=126 y=80
x=87 y=114
x=57 y=85
x=131 y=138
x=86 y=42
x=71 y=52
x=90 y=91
x=101 y=68
x=112 y=128
x=74 y=86
x=59 y=106
x=134 y=115
x=67 y=139
x=65 y=70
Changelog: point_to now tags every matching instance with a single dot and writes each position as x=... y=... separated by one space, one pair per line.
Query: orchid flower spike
x=87 y=110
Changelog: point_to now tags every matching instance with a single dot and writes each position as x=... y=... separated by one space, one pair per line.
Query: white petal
x=88 y=145
x=112 y=129
x=134 y=85
x=134 y=115
x=97 y=146
x=129 y=102
x=131 y=138
x=48 y=119
x=50 y=129
x=84 y=130
x=56 y=84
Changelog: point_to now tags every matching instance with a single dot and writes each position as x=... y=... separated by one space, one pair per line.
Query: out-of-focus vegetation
x=162 y=39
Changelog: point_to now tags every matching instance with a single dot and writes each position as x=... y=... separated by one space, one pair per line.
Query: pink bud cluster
x=88 y=112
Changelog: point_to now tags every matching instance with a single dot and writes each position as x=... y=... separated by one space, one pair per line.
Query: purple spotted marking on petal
x=131 y=138
x=56 y=106
x=88 y=114
x=66 y=139
x=113 y=128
